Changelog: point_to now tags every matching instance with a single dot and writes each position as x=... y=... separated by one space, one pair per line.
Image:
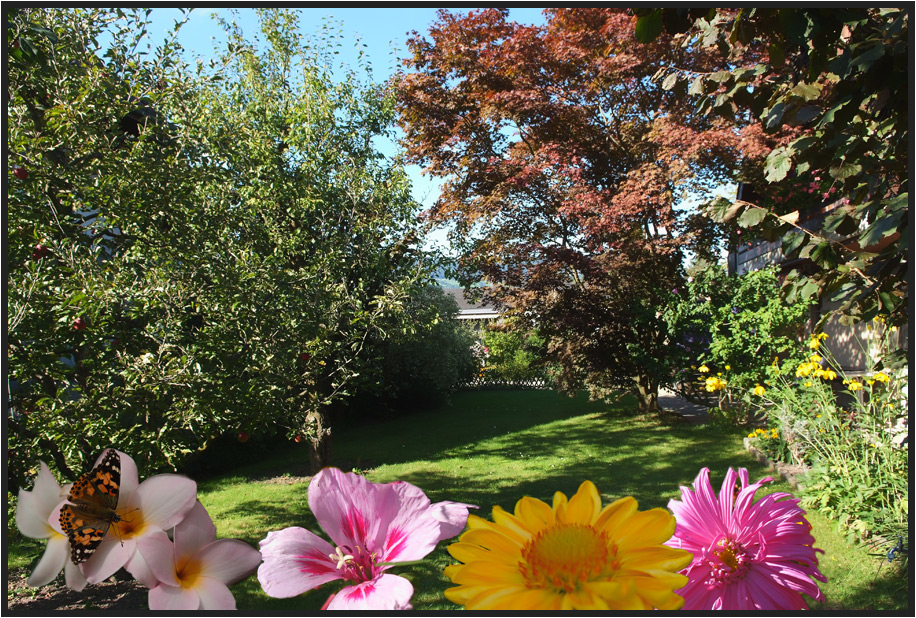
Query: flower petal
x=110 y=556
x=159 y=553
x=56 y=555
x=534 y=513
x=228 y=560
x=585 y=506
x=164 y=500
x=138 y=566
x=33 y=508
x=410 y=529
x=295 y=560
x=214 y=595
x=385 y=592
x=346 y=507
x=645 y=528
x=452 y=517
x=173 y=598
x=194 y=532
x=73 y=576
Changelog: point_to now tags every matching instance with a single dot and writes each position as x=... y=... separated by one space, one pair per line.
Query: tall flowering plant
x=851 y=430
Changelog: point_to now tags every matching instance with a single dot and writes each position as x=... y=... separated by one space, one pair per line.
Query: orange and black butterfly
x=94 y=500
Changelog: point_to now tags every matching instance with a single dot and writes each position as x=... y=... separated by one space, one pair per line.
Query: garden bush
x=421 y=364
x=728 y=330
x=513 y=353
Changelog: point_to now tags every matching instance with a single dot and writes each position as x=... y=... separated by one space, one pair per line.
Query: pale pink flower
x=156 y=504
x=33 y=509
x=196 y=570
x=373 y=526
x=746 y=555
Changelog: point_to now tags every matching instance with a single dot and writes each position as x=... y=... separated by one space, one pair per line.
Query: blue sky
x=380 y=32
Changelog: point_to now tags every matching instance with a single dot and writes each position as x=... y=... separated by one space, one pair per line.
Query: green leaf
x=809 y=289
x=773 y=119
x=868 y=57
x=844 y=170
x=648 y=27
x=806 y=91
x=884 y=226
x=751 y=217
x=778 y=163
x=792 y=241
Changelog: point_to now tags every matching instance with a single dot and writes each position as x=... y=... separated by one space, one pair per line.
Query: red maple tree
x=564 y=164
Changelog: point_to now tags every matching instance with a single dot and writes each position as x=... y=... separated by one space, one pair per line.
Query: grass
x=493 y=447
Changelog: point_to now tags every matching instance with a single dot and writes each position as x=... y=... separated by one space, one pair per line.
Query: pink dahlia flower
x=373 y=527
x=746 y=555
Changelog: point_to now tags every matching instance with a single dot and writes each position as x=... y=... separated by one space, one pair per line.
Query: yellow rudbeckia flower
x=573 y=555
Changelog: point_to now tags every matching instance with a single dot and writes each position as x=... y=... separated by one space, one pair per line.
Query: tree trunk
x=647 y=394
x=319 y=443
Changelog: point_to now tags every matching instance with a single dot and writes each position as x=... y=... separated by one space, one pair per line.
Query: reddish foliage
x=566 y=160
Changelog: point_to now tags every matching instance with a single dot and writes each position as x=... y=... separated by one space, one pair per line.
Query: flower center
x=356 y=565
x=188 y=572
x=728 y=562
x=131 y=523
x=564 y=556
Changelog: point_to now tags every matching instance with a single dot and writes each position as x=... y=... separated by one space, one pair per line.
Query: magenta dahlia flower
x=373 y=527
x=746 y=555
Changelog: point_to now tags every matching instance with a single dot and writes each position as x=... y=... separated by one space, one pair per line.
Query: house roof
x=468 y=309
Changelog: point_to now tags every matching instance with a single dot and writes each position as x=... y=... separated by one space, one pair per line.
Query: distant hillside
x=448 y=284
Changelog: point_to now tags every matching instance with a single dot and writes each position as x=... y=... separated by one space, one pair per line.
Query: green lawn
x=493 y=447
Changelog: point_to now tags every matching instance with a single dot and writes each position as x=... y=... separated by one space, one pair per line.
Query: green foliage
x=851 y=435
x=427 y=360
x=514 y=354
x=830 y=90
x=193 y=251
x=736 y=326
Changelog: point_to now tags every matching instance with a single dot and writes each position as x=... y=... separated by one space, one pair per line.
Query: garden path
x=692 y=412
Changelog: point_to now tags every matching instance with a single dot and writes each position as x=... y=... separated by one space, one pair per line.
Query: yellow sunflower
x=574 y=555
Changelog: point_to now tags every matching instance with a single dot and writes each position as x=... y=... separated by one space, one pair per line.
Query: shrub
x=421 y=365
x=513 y=354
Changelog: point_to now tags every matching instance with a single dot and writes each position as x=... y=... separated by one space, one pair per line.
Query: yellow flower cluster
x=815 y=342
x=759 y=390
x=879 y=377
x=704 y=369
x=853 y=385
x=715 y=383
x=814 y=368
x=763 y=433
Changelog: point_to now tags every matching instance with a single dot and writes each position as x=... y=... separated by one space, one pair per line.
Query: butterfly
x=94 y=500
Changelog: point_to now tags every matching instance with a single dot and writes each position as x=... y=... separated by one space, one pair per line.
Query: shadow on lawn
x=644 y=465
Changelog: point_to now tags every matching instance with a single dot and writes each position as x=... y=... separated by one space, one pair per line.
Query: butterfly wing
x=94 y=500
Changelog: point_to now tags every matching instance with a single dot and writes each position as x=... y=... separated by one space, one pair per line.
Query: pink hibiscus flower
x=373 y=526
x=746 y=555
